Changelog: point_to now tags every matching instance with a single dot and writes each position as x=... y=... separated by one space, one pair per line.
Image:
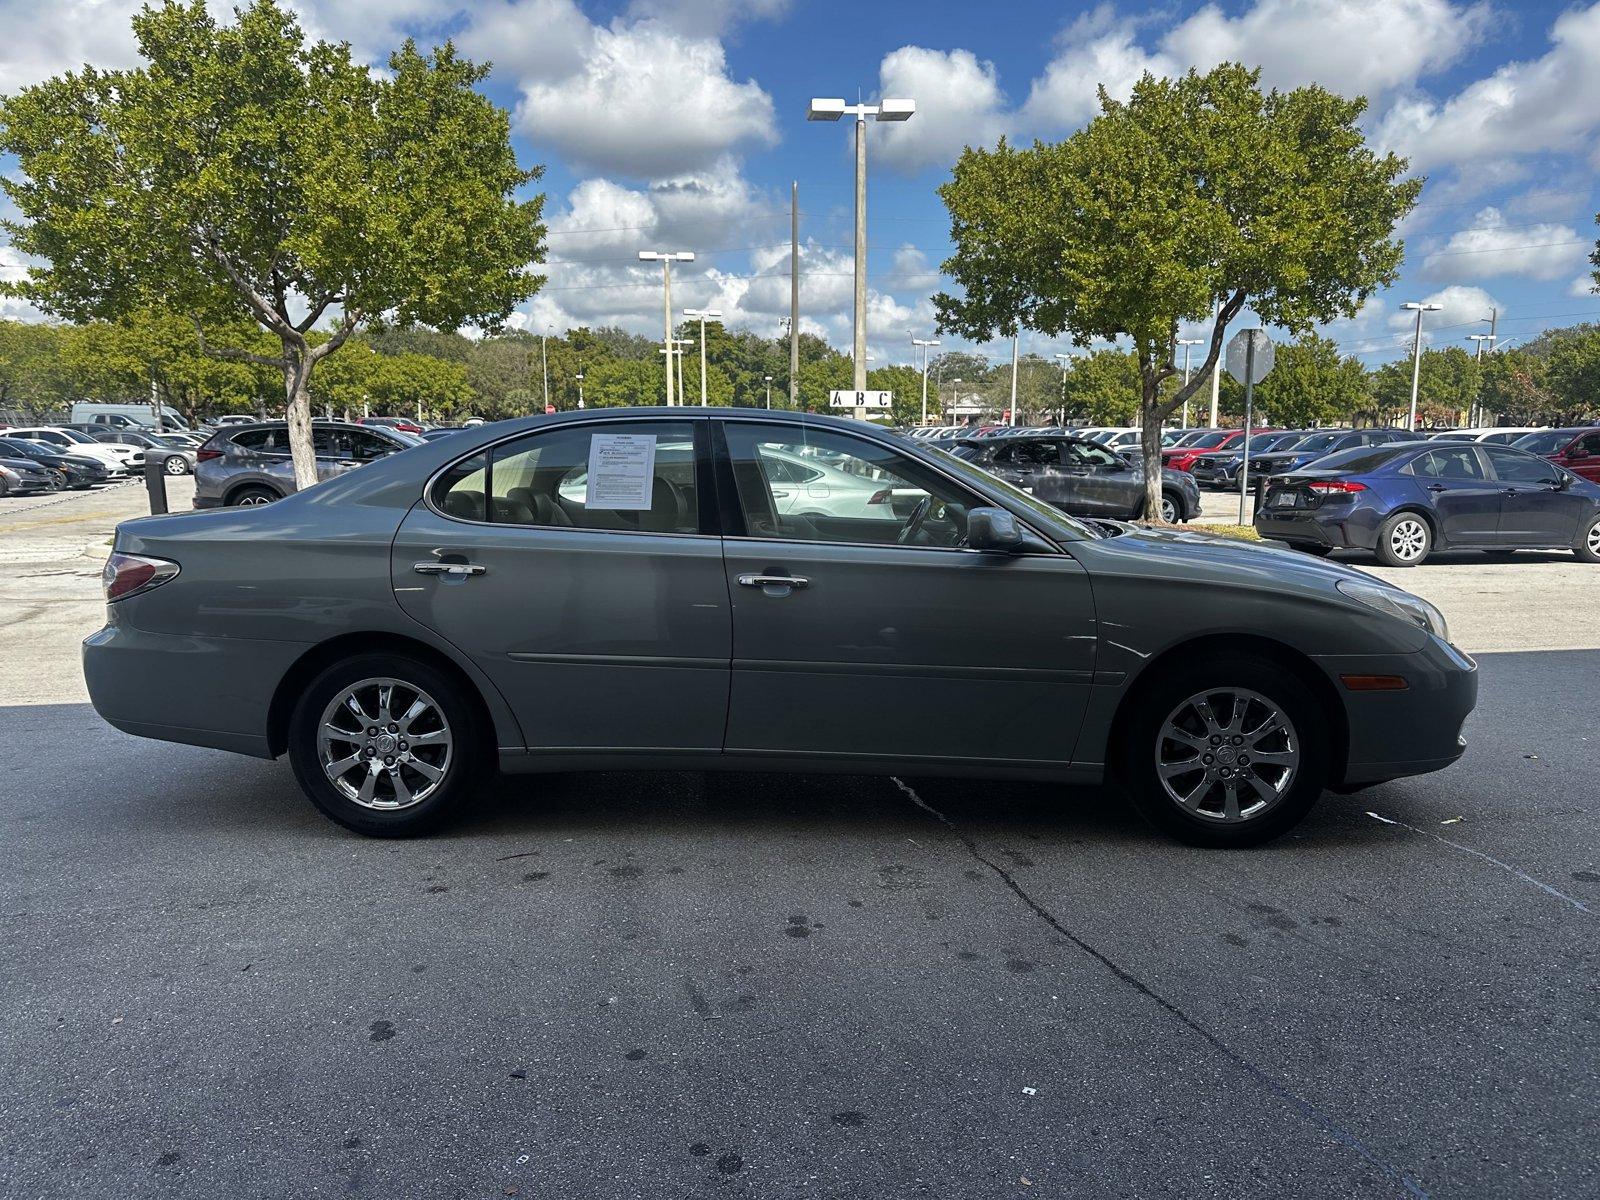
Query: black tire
x=1314 y=550
x=1404 y=540
x=1141 y=740
x=251 y=495
x=1587 y=544
x=464 y=764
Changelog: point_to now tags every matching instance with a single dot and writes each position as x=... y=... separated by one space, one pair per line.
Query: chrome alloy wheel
x=1169 y=510
x=1593 y=540
x=1227 y=755
x=384 y=744
x=1408 y=539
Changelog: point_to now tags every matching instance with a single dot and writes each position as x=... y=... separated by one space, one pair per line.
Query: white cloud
x=1550 y=103
x=959 y=103
x=1582 y=287
x=529 y=39
x=708 y=18
x=1459 y=306
x=647 y=103
x=1066 y=95
x=1491 y=248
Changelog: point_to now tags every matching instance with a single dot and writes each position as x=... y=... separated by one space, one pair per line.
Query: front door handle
x=788 y=581
x=451 y=570
x=1436 y=487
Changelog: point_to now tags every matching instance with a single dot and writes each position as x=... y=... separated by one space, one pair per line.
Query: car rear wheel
x=176 y=464
x=247 y=497
x=386 y=745
x=1404 y=540
x=1587 y=547
x=1225 y=752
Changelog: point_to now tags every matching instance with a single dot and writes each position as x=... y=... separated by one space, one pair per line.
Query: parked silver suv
x=250 y=464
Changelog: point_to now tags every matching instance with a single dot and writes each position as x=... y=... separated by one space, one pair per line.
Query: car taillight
x=204 y=455
x=1337 y=486
x=882 y=497
x=127 y=575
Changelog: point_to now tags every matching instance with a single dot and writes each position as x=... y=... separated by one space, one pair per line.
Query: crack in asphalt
x=1299 y=1103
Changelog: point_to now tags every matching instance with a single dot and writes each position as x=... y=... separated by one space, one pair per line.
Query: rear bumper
x=1411 y=732
x=1339 y=528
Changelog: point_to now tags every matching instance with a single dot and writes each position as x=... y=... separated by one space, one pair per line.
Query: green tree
x=1103 y=388
x=34 y=379
x=1197 y=192
x=243 y=171
x=1311 y=383
x=1447 y=387
x=1573 y=372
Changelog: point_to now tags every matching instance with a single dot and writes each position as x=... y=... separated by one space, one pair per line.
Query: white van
x=136 y=418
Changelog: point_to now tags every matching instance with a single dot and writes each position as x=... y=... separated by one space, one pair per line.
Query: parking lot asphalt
x=697 y=985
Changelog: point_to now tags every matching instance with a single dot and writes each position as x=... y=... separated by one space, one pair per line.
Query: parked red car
x=403 y=424
x=1577 y=449
x=1182 y=458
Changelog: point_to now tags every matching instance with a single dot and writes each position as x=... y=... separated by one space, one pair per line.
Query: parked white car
x=119 y=460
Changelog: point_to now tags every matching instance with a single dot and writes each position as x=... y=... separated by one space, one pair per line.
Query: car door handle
x=1436 y=487
x=788 y=581
x=451 y=570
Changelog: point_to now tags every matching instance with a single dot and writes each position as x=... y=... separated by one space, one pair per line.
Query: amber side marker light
x=1374 y=683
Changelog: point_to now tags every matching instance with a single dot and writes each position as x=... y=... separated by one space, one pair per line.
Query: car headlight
x=1397 y=603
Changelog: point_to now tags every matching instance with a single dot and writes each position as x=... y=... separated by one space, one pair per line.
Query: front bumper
x=28 y=484
x=1411 y=732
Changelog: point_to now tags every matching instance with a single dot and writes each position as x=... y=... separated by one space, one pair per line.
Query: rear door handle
x=788 y=581
x=1436 y=487
x=450 y=570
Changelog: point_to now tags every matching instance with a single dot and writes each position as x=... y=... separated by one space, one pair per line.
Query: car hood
x=1278 y=561
x=22 y=464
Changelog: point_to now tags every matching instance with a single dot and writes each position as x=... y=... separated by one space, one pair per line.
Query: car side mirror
x=993 y=529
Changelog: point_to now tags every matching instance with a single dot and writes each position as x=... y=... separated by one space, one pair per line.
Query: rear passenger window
x=633 y=477
x=263 y=441
x=1448 y=464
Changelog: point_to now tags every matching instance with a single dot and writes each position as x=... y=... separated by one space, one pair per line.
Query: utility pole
x=1063 y=359
x=1186 y=343
x=884 y=110
x=794 y=294
x=666 y=258
x=702 y=314
x=924 y=344
x=1416 y=355
x=1216 y=370
x=1012 y=411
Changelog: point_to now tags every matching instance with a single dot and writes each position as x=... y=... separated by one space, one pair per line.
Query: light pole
x=1012 y=411
x=884 y=110
x=544 y=365
x=1186 y=343
x=769 y=390
x=674 y=350
x=1474 y=414
x=955 y=395
x=666 y=258
x=1416 y=353
x=1063 y=360
x=924 y=344
x=702 y=314
x=580 y=389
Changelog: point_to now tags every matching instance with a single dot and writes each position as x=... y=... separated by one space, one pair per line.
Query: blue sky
x=678 y=124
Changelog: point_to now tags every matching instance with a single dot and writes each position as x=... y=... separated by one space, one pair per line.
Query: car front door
x=1582 y=458
x=1535 y=509
x=1458 y=488
x=877 y=638
x=573 y=567
x=1102 y=482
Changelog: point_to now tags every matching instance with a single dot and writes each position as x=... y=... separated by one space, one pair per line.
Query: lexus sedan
x=1081 y=477
x=403 y=630
x=1405 y=500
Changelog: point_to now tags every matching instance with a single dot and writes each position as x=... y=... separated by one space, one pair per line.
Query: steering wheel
x=913 y=524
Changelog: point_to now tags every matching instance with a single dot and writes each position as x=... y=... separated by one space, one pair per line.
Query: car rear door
x=1535 y=509
x=1458 y=487
x=595 y=600
x=851 y=643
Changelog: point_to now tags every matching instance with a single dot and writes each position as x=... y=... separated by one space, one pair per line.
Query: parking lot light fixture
x=1063 y=359
x=702 y=314
x=769 y=390
x=832 y=109
x=666 y=258
x=925 y=344
x=1416 y=352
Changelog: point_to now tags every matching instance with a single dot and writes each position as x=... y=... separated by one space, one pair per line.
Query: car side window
x=863 y=492
x=1461 y=463
x=628 y=476
x=1089 y=457
x=1029 y=453
x=265 y=441
x=1590 y=444
x=1514 y=467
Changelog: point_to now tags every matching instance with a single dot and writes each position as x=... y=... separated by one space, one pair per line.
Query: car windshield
x=1314 y=442
x=967 y=453
x=27 y=449
x=1054 y=516
x=1548 y=441
x=1358 y=460
x=1207 y=440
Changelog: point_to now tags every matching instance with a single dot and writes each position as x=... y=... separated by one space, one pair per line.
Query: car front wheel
x=1226 y=752
x=1587 y=547
x=1171 y=510
x=386 y=745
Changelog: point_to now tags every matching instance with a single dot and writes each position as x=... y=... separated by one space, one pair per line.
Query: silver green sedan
x=665 y=589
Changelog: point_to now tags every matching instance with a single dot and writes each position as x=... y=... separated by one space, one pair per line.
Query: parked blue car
x=1404 y=500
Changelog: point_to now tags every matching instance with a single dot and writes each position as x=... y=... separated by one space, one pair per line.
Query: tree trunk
x=297 y=391
x=1150 y=444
